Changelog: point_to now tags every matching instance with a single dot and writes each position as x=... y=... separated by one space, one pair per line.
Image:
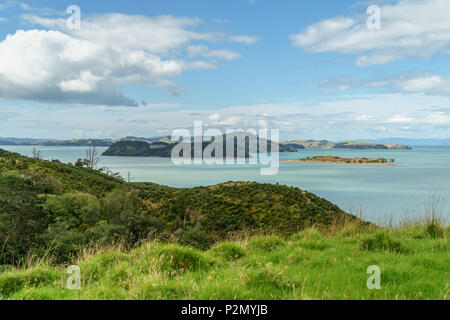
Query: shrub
x=13 y=282
x=195 y=237
x=102 y=263
x=267 y=243
x=382 y=241
x=228 y=251
x=176 y=258
x=434 y=230
x=310 y=233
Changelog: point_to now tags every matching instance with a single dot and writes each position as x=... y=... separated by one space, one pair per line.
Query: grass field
x=414 y=263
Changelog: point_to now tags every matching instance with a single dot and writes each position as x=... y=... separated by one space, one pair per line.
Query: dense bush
x=21 y=219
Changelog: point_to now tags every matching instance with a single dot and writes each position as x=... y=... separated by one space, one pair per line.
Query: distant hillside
x=136 y=148
x=325 y=144
x=286 y=146
x=62 y=143
x=7 y=143
x=415 y=142
x=141 y=148
x=47 y=207
x=79 y=143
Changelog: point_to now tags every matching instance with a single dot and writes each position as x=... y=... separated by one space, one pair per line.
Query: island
x=339 y=160
x=141 y=148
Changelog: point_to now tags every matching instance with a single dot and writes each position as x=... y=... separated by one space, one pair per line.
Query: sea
x=381 y=194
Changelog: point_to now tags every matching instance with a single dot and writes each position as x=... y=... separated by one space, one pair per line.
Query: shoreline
x=339 y=162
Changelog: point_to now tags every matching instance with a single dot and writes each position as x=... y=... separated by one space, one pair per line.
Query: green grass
x=307 y=265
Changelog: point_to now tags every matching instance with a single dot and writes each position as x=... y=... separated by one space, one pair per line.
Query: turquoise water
x=381 y=192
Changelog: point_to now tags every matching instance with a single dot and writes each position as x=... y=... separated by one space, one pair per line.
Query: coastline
x=340 y=162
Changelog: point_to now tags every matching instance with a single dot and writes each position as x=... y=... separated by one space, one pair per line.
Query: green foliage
x=21 y=219
x=194 y=236
x=228 y=251
x=73 y=208
x=267 y=243
x=309 y=233
x=102 y=263
x=13 y=281
x=175 y=258
x=382 y=240
x=434 y=230
x=139 y=149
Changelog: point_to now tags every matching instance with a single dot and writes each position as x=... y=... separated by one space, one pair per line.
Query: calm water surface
x=381 y=192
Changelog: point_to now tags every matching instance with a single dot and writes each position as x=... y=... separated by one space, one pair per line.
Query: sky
x=336 y=70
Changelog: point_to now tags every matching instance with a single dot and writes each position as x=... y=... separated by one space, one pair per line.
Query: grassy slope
x=414 y=265
x=307 y=265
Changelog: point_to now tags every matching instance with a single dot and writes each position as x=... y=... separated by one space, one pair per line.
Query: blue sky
x=312 y=69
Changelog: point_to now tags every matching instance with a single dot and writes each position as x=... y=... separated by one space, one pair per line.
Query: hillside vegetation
x=52 y=209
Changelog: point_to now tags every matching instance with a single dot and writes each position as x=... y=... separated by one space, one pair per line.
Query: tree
x=91 y=159
x=37 y=154
x=129 y=178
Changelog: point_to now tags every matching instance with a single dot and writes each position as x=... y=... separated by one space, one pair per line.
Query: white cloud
x=399 y=118
x=411 y=82
x=364 y=117
x=409 y=28
x=214 y=117
x=25 y=6
x=244 y=39
x=438 y=118
x=428 y=83
x=203 y=51
x=85 y=82
x=88 y=66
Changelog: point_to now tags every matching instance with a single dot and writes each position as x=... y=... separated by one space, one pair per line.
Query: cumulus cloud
x=87 y=66
x=409 y=28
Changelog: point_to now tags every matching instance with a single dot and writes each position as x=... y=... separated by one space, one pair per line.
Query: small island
x=339 y=160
